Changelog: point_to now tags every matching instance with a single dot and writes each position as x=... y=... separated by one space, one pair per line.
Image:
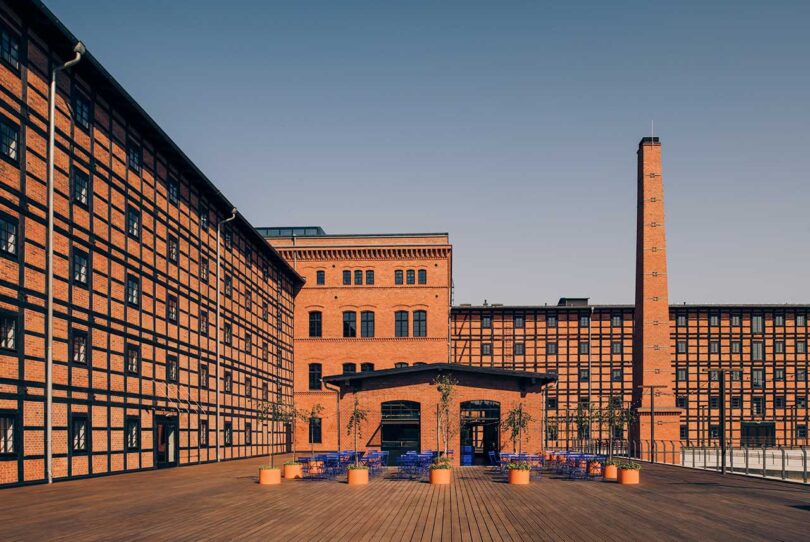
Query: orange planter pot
x=316 y=467
x=440 y=476
x=519 y=477
x=628 y=476
x=611 y=472
x=293 y=471
x=595 y=468
x=358 y=477
x=269 y=477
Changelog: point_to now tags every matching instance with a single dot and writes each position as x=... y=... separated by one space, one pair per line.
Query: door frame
x=162 y=419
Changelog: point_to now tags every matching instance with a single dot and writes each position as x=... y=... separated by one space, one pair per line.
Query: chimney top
x=649 y=140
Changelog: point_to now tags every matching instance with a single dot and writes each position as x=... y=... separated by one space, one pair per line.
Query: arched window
x=349 y=368
x=366 y=367
x=315 y=373
x=401 y=324
x=400 y=364
x=422 y=276
x=420 y=323
x=315 y=324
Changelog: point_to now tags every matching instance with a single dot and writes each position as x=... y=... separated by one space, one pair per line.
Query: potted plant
x=307 y=416
x=357 y=473
x=611 y=470
x=519 y=472
x=293 y=469
x=270 y=411
x=516 y=424
x=440 y=471
x=269 y=475
x=629 y=473
x=446 y=386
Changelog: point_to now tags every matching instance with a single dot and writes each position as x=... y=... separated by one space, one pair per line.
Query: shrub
x=615 y=462
x=292 y=463
x=357 y=467
x=630 y=465
x=442 y=463
x=519 y=465
x=268 y=467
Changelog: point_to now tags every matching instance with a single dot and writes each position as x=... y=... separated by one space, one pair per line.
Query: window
x=203 y=433
x=172 y=369
x=684 y=432
x=314 y=430
x=801 y=347
x=133 y=358
x=551 y=349
x=9 y=139
x=519 y=349
x=398 y=276
x=778 y=375
x=584 y=348
x=370 y=277
x=419 y=323
x=265 y=311
x=584 y=375
x=681 y=401
x=616 y=320
x=81 y=267
x=132 y=433
x=248 y=434
x=486 y=321
x=757 y=406
x=779 y=320
x=204 y=323
x=350 y=324
x=203 y=376
x=714 y=402
x=134 y=156
x=680 y=347
x=173 y=249
x=248 y=343
x=736 y=347
x=366 y=367
x=202 y=211
x=133 y=222
x=423 y=276
x=228 y=234
x=315 y=373
x=248 y=387
x=681 y=320
x=714 y=347
x=551 y=320
x=714 y=319
x=366 y=324
x=757 y=378
x=584 y=320
x=400 y=365
x=204 y=269
x=756 y=324
x=265 y=392
x=801 y=375
x=779 y=401
x=265 y=352
x=736 y=376
x=681 y=375
x=801 y=431
x=358 y=276
x=8 y=236
x=320 y=278
x=228 y=430
x=315 y=324
x=227 y=381
x=349 y=368
x=248 y=300
x=9 y=48
x=79 y=433
x=80 y=187
x=171 y=309
x=616 y=347
x=401 y=324
x=552 y=433
x=227 y=286
x=616 y=375
x=519 y=321
x=736 y=401
x=801 y=401
x=779 y=347
x=486 y=349
x=801 y=320
x=78 y=347
x=736 y=321
x=714 y=431
x=227 y=331
x=757 y=351
x=347 y=277
x=173 y=189
x=714 y=376
x=410 y=276
x=551 y=403
x=7 y=435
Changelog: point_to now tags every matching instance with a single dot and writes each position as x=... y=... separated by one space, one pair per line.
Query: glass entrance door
x=480 y=430
x=166 y=441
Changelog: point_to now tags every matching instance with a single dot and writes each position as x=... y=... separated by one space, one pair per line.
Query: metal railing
x=770 y=462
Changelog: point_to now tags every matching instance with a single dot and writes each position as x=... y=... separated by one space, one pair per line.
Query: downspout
x=79 y=49
x=337 y=401
x=219 y=232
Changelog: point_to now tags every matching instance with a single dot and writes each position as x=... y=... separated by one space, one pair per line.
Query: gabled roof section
x=534 y=378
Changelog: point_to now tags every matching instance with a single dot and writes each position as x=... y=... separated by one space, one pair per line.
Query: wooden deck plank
x=223 y=501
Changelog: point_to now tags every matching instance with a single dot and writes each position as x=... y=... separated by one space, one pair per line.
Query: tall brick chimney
x=653 y=379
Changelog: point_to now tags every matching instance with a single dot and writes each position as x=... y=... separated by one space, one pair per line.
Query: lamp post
x=219 y=244
x=79 y=49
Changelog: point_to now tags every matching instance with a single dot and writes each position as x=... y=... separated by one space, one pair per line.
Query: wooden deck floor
x=219 y=502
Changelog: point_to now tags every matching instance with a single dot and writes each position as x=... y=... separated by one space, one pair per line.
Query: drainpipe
x=219 y=232
x=79 y=49
x=337 y=401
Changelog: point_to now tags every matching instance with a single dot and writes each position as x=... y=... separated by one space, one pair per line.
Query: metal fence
x=771 y=462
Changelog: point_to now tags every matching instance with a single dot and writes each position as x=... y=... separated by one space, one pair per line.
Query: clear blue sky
x=511 y=125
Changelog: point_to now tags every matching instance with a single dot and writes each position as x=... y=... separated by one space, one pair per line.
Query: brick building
x=134 y=379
